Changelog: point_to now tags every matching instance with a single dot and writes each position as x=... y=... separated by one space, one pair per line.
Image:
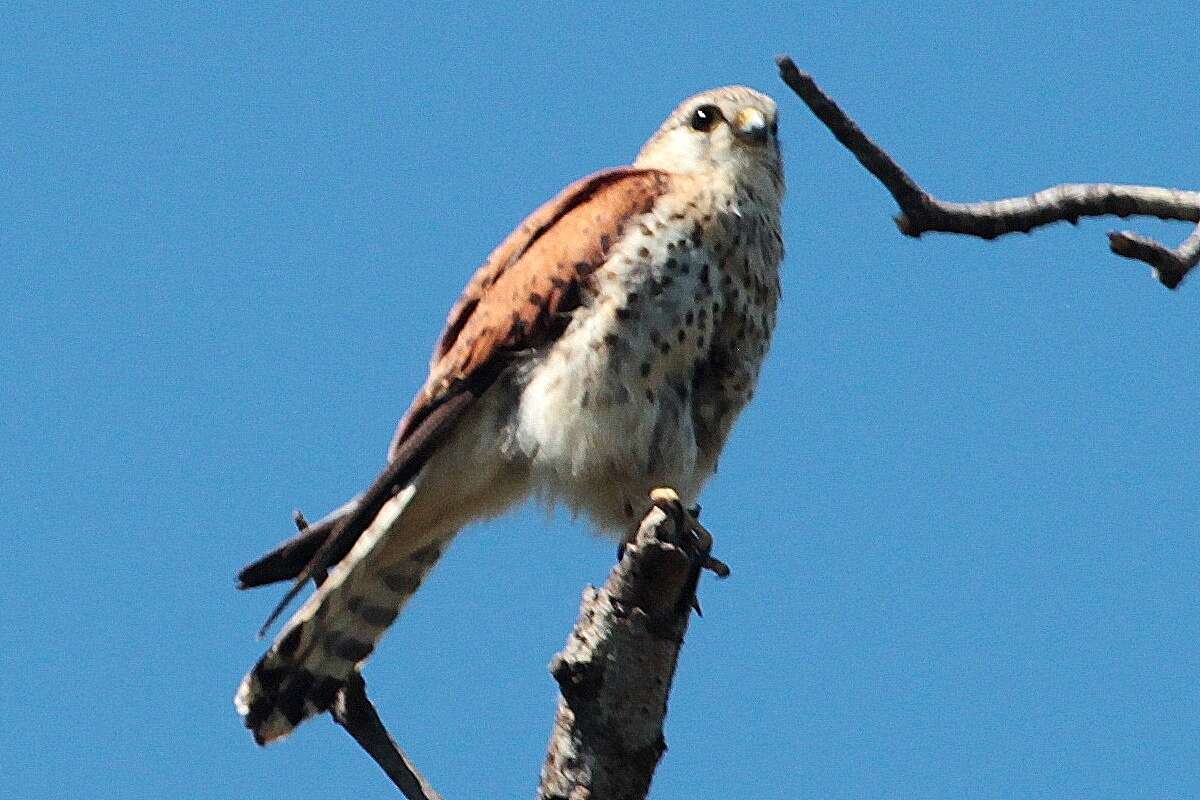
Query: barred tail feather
x=336 y=630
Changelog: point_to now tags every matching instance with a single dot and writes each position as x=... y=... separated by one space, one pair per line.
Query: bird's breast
x=614 y=399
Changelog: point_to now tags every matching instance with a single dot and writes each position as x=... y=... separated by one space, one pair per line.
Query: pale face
x=733 y=130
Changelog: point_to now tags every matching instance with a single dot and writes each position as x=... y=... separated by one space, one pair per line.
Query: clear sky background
x=961 y=514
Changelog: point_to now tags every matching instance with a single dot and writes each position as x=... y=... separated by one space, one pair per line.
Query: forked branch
x=920 y=212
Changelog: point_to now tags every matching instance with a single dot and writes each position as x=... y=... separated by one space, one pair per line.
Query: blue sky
x=961 y=513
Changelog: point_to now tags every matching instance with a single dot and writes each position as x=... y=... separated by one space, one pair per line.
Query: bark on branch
x=616 y=670
x=920 y=212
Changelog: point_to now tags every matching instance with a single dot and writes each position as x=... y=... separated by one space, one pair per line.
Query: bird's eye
x=705 y=117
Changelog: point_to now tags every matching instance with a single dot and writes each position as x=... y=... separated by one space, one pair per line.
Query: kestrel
x=605 y=348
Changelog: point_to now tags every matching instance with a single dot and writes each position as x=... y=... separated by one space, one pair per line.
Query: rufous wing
x=518 y=301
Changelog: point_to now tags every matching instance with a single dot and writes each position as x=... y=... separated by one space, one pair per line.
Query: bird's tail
x=337 y=629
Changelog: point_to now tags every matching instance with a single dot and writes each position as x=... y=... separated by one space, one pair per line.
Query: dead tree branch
x=921 y=212
x=616 y=670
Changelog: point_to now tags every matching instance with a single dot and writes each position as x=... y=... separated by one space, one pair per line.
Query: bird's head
x=732 y=130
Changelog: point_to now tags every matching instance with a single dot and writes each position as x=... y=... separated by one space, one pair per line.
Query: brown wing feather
x=521 y=295
x=519 y=299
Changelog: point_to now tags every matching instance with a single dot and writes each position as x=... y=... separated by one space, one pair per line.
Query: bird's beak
x=751 y=125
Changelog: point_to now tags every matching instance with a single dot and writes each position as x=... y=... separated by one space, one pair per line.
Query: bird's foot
x=697 y=537
x=691 y=536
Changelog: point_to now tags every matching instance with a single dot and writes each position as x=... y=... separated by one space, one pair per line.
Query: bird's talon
x=717 y=567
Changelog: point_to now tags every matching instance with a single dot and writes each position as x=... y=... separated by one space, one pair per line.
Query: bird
x=604 y=348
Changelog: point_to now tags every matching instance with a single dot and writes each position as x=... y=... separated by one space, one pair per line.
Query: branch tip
x=921 y=212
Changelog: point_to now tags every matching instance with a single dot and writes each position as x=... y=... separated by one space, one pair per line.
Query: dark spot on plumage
x=664 y=348
x=681 y=336
x=324 y=692
x=571 y=299
x=291 y=700
x=270 y=678
x=704 y=274
x=690 y=318
x=643 y=252
x=631 y=298
x=605 y=241
x=352 y=650
x=290 y=642
x=681 y=244
x=697 y=234
x=667 y=281
x=628 y=509
x=645 y=230
x=611 y=339
x=670 y=263
x=260 y=708
x=625 y=313
x=535 y=299
x=649 y=395
x=685 y=268
x=585 y=400
x=655 y=338
x=378 y=616
x=402 y=581
x=645 y=369
x=427 y=555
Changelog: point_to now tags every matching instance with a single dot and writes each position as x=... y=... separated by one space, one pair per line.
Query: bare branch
x=922 y=213
x=354 y=711
x=1170 y=266
x=615 y=673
